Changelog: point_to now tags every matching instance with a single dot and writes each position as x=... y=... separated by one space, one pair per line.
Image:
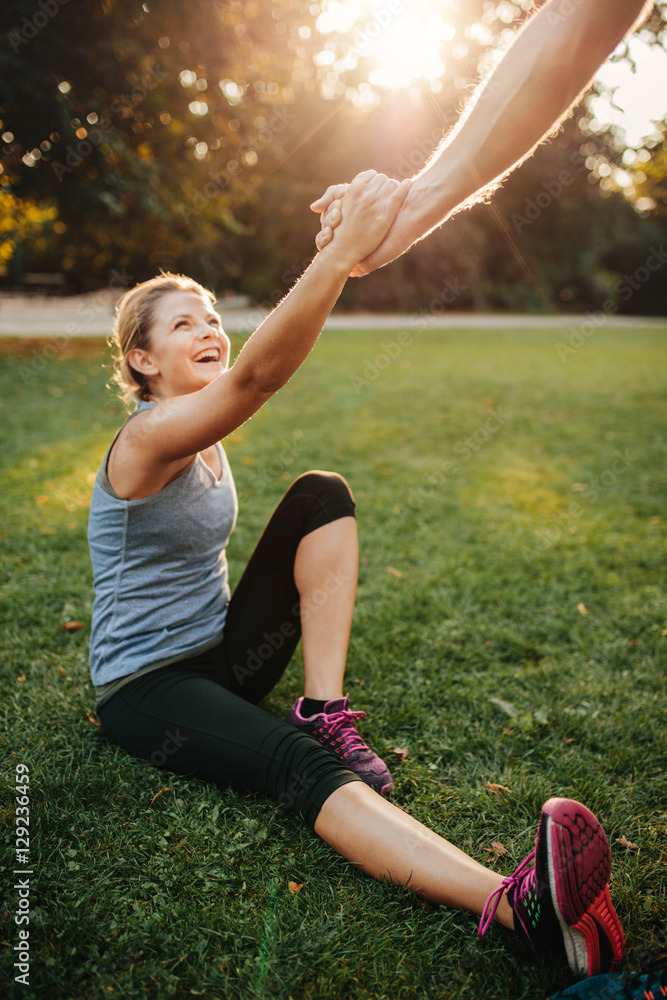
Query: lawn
x=510 y=632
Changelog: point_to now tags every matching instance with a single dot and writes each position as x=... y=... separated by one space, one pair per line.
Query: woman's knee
x=330 y=485
x=314 y=499
x=303 y=774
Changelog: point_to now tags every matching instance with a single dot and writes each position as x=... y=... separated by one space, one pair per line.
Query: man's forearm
x=542 y=75
x=544 y=72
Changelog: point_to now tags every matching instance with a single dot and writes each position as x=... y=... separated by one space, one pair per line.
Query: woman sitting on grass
x=179 y=665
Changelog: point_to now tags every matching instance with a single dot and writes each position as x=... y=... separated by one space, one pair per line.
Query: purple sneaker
x=335 y=729
x=561 y=904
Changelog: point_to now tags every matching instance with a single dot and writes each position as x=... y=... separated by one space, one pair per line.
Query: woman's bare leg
x=325 y=573
x=387 y=843
x=363 y=827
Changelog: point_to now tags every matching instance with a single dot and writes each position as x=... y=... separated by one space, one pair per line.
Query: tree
x=19 y=221
x=143 y=126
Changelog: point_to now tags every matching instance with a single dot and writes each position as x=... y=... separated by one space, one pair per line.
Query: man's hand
x=371 y=203
x=403 y=233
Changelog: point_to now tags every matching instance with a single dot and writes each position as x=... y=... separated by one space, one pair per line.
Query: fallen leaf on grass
x=624 y=842
x=21 y=679
x=581 y=608
x=72 y=626
x=91 y=719
x=570 y=739
x=401 y=752
x=394 y=572
x=498 y=789
x=295 y=887
x=157 y=794
x=506 y=706
x=497 y=849
x=62 y=671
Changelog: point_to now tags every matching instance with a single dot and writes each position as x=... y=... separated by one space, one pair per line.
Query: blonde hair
x=135 y=315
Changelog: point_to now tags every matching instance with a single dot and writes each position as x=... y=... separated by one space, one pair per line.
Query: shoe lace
x=651 y=979
x=511 y=884
x=343 y=724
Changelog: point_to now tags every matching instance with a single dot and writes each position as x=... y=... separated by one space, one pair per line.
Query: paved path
x=92 y=316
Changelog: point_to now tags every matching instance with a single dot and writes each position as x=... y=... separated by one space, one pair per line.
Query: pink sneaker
x=561 y=904
x=335 y=729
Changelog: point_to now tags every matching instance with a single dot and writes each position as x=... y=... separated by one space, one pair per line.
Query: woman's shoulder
x=102 y=476
x=134 y=469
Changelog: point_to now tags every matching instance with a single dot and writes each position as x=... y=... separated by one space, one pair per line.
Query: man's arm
x=525 y=98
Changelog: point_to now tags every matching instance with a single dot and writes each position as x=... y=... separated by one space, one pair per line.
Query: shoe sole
x=579 y=867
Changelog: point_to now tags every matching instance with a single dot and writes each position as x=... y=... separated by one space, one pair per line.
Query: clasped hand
x=398 y=238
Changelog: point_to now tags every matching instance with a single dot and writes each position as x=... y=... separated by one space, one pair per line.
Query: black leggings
x=199 y=716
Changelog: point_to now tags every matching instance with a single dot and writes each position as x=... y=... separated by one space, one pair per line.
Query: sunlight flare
x=400 y=43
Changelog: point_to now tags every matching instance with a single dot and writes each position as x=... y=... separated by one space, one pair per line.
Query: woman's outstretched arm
x=181 y=426
x=524 y=99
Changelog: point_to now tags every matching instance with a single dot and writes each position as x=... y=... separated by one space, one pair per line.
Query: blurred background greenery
x=192 y=137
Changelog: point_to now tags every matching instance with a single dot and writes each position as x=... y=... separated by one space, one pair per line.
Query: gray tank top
x=160 y=570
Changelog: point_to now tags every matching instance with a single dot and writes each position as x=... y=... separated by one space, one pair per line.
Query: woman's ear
x=142 y=362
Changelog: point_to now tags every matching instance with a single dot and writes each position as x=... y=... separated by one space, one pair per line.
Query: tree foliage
x=19 y=221
x=142 y=123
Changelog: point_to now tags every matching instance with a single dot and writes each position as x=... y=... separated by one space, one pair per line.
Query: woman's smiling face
x=188 y=347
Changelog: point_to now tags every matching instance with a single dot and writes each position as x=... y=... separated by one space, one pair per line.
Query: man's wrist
x=437 y=192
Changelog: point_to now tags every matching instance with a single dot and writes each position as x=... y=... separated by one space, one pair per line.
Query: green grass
x=476 y=657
